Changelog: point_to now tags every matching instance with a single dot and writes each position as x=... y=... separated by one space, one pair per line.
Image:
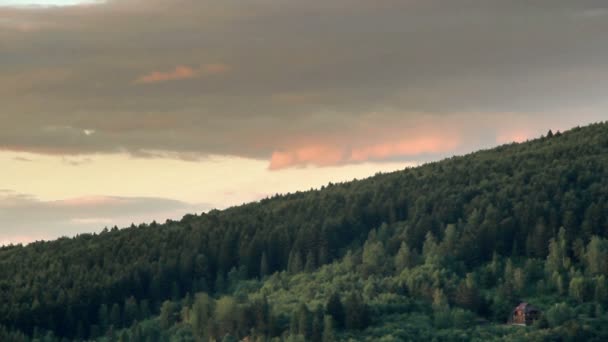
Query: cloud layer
x=298 y=83
x=25 y=218
x=183 y=73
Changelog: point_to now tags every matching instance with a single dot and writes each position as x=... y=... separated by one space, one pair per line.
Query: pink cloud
x=330 y=155
x=405 y=147
x=319 y=155
x=182 y=72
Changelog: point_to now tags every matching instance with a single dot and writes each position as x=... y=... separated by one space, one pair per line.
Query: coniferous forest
x=441 y=252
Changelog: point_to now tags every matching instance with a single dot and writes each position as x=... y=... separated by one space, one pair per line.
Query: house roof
x=525 y=307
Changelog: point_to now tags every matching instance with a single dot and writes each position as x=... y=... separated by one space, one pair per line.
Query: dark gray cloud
x=296 y=73
x=24 y=218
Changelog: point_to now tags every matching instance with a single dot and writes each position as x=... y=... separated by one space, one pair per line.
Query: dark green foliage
x=304 y=321
x=356 y=312
x=168 y=314
x=335 y=309
x=423 y=253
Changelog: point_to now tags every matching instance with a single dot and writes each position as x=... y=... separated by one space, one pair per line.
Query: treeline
x=231 y=318
x=460 y=215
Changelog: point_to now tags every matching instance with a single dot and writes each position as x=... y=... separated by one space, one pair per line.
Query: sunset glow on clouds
x=325 y=155
x=183 y=73
x=215 y=103
x=67 y=198
x=180 y=73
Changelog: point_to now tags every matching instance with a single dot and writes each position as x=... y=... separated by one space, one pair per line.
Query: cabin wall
x=519 y=317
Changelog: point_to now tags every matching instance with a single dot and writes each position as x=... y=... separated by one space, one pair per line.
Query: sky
x=46 y=3
x=127 y=111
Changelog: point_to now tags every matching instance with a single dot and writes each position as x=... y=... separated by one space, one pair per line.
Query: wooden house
x=524 y=314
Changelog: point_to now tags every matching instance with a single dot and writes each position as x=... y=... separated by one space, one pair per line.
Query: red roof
x=525 y=307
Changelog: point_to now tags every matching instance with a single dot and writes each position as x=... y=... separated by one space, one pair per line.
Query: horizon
x=122 y=111
x=179 y=215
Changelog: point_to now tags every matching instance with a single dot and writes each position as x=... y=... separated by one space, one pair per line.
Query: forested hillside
x=445 y=251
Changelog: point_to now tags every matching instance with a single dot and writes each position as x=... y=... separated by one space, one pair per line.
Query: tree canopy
x=423 y=252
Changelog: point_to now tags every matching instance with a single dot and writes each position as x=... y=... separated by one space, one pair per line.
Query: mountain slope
x=479 y=223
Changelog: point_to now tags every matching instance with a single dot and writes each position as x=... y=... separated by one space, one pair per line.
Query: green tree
x=226 y=314
x=264 y=268
x=311 y=263
x=294 y=324
x=558 y=314
x=536 y=244
x=519 y=280
x=103 y=317
x=115 y=317
x=295 y=264
x=144 y=309
x=348 y=262
x=328 y=329
x=597 y=254
x=430 y=251
x=169 y=312
x=601 y=290
x=557 y=259
x=201 y=314
x=578 y=289
x=131 y=310
x=404 y=258
x=467 y=294
x=335 y=309
x=374 y=258
x=317 y=325
x=304 y=321
x=356 y=312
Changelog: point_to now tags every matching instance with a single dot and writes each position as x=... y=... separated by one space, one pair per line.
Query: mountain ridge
x=454 y=216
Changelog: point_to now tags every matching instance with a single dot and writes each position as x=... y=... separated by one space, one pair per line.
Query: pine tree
x=430 y=250
x=201 y=312
x=335 y=309
x=403 y=259
x=328 y=329
x=294 y=324
x=317 y=325
x=601 y=290
x=225 y=314
x=131 y=311
x=578 y=289
x=311 y=263
x=374 y=258
x=304 y=322
x=115 y=317
x=168 y=314
x=356 y=312
x=103 y=317
x=467 y=294
x=441 y=309
x=264 y=268
x=144 y=309
x=295 y=262
x=557 y=259
x=597 y=254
